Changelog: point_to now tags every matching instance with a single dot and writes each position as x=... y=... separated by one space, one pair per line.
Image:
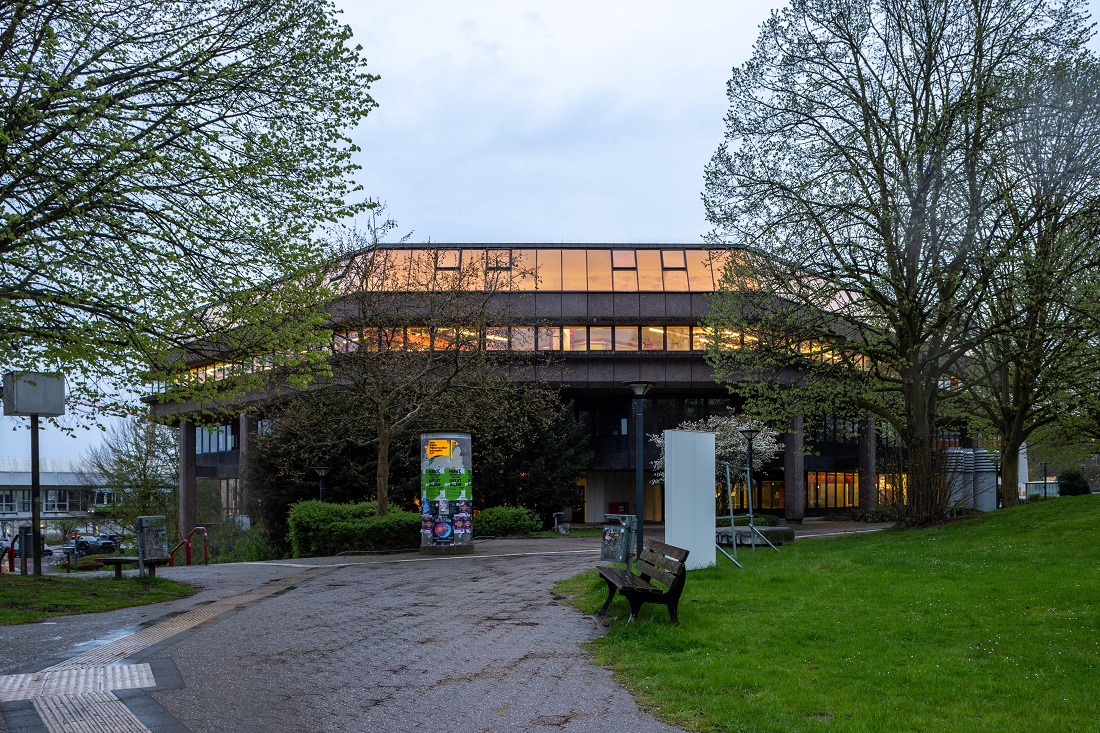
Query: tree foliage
x=730 y=445
x=862 y=170
x=138 y=462
x=157 y=157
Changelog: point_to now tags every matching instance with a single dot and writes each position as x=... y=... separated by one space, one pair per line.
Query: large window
x=216 y=440
x=829 y=490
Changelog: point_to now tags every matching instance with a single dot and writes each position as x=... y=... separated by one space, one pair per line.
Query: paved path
x=399 y=643
x=382 y=644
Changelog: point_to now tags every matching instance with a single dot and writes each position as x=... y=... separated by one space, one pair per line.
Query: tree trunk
x=1010 y=471
x=927 y=500
x=383 y=476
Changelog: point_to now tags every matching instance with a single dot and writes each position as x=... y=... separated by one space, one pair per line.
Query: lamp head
x=322 y=470
x=640 y=388
x=750 y=433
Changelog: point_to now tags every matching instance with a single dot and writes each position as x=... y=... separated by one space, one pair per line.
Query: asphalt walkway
x=384 y=644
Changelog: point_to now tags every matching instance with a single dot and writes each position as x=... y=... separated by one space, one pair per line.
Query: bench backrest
x=661 y=562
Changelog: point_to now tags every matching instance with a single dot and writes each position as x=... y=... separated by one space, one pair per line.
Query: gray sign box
x=152 y=538
x=31 y=393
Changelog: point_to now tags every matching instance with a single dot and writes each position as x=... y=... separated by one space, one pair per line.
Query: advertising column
x=446 y=493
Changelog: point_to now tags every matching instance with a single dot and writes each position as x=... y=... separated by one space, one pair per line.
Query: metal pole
x=36 y=500
x=639 y=478
x=748 y=479
x=1044 y=480
x=322 y=487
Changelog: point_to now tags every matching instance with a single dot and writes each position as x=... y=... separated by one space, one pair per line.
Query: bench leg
x=118 y=571
x=610 y=595
x=152 y=570
x=672 y=611
x=635 y=606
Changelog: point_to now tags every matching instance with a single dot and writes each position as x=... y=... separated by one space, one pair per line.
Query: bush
x=320 y=529
x=506 y=521
x=1072 y=482
x=760 y=520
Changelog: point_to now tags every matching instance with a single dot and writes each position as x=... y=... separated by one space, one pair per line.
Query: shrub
x=1072 y=482
x=320 y=529
x=506 y=521
x=760 y=520
x=1035 y=497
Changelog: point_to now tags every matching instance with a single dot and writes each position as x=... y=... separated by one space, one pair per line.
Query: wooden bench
x=659 y=562
x=151 y=564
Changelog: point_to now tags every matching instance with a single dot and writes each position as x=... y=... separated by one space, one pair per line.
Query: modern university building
x=592 y=317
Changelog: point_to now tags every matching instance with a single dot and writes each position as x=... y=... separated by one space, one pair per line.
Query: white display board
x=689 y=495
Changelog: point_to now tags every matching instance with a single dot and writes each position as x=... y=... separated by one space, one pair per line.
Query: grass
x=27 y=598
x=573 y=532
x=988 y=624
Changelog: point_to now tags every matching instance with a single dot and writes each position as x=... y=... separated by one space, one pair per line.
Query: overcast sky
x=519 y=121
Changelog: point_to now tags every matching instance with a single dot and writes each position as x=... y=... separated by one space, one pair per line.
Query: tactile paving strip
x=75 y=681
x=88 y=712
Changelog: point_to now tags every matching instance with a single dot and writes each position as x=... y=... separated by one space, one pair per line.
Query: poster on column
x=446 y=489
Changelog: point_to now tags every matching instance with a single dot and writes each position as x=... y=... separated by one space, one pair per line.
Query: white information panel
x=689 y=495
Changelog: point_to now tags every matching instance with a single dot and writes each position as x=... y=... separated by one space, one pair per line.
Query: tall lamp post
x=1044 y=465
x=321 y=471
x=639 y=388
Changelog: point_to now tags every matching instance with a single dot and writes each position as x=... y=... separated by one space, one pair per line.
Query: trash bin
x=618 y=538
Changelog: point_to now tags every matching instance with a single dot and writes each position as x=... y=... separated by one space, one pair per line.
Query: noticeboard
x=152 y=538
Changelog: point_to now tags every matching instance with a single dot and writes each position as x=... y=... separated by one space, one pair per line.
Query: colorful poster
x=446 y=489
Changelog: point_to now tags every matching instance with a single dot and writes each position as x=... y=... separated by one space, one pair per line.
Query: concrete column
x=794 y=471
x=247 y=433
x=868 y=477
x=188 y=511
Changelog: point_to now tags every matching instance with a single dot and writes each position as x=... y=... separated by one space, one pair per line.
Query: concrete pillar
x=794 y=472
x=188 y=511
x=868 y=477
x=247 y=435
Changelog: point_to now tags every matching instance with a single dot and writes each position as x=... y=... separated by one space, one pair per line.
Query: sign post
x=33 y=395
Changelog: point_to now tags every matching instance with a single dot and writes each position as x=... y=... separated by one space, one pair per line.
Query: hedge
x=506 y=521
x=320 y=529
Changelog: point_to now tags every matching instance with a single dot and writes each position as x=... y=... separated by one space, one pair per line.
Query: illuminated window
x=447 y=259
x=499 y=259
x=625 y=281
x=574 y=338
x=574 y=269
x=496 y=339
x=831 y=490
x=623 y=259
x=626 y=338
x=649 y=270
x=523 y=269
x=419 y=338
x=699 y=275
x=523 y=338
x=678 y=338
x=549 y=265
x=653 y=338
x=701 y=338
x=599 y=338
x=393 y=339
x=673 y=259
x=396 y=273
x=549 y=338
x=599 y=270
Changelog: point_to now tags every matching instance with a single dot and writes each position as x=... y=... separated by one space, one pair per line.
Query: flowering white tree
x=729 y=444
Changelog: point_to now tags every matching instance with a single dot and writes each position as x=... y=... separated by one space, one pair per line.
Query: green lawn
x=26 y=598
x=991 y=624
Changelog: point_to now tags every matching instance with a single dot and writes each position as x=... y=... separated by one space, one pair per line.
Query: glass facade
x=216 y=440
x=831 y=490
x=595 y=270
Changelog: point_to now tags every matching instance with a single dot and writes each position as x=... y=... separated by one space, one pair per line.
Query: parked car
x=90 y=543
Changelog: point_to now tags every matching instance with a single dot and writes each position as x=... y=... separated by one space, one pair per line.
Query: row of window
x=829 y=490
x=591 y=270
x=216 y=440
x=532 y=338
x=18 y=501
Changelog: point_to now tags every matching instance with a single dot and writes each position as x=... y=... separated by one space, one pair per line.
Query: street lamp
x=749 y=434
x=1044 y=465
x=321 y=471
x=639 y=388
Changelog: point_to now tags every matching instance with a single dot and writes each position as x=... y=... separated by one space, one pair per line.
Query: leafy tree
x=860 y=168
x=159 y=156
x=1072 y=482
x=730 y=445
x=138 y=462
x=1041 y=348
